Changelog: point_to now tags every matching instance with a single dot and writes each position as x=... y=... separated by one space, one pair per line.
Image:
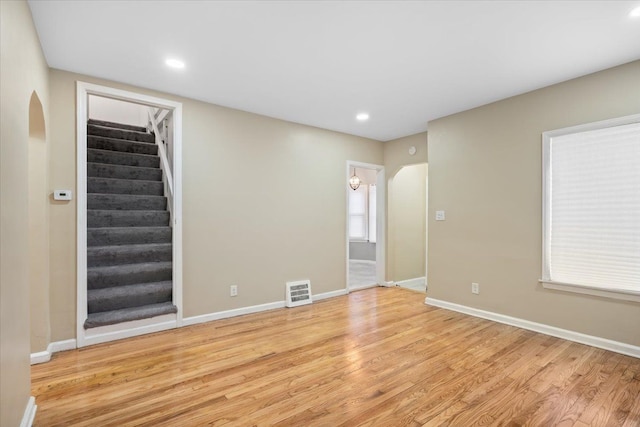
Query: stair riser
x=117 y=125
x=118 y=276
x=129 y=186
x=107 y=256
x=120 y=134
x=118 y=302
x=102 y=143
x=123 y=172
x=104 y=237
x=125 y=159
x=111 y=218
x=126 y=202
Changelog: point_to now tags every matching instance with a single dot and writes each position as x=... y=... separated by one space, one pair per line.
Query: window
x=591 y=209
x=372 y=213
x=358 y=213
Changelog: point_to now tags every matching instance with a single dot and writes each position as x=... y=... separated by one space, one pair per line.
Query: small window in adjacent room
x=372 y=213
x=591 y=209
x=358 y=213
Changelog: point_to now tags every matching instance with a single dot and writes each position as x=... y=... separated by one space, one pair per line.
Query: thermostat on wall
x=62 y=195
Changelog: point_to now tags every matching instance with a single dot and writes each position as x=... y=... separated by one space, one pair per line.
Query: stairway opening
x=129 y=229
x=129 y=269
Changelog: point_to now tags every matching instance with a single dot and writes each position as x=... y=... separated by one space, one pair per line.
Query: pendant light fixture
x=354 y=181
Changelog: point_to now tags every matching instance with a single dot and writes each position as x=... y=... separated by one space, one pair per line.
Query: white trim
x=616 y=346
x=388 y=284
x=546 y=280
x=54 y=347
x=587 y=290
x=203 y=318
x=361 y=287
x=381 y=218
x=129 y=329
x=83 y=90
x=330 y=294
x=29 y=413
x=417 y=281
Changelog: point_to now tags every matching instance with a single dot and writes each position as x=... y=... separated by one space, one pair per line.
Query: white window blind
x=372 y=213
x=358 y=213
x=592 y=207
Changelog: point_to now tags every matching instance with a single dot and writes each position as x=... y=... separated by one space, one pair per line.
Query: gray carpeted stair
x=99 y=256
x=124 y=146
x=95 y=155
x=128 y=314
x=129 y=250
x=107 y=218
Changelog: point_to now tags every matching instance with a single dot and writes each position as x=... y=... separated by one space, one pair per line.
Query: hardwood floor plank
x=377 y=357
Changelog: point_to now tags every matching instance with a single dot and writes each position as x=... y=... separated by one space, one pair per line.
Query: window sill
x=580 y=289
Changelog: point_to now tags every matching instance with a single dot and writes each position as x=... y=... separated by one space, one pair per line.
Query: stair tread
x=105 y=318
x=116 y=125
x=122 y=166
x=117 y=195
x=121 y=268
x=133 y=131
x=112 y=139
x=128 y=247
x=116 y=145
x=111 y=157
x=135 y=289
x=129 y=229
x=126 y=153
x=119 y=133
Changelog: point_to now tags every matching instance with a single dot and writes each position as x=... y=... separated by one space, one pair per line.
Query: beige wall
x=22 y=70
x=396 y=156
x=407 y=222
x=485 y=172
x=263 y=203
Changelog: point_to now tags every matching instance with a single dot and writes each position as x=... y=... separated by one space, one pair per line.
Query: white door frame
x=381 y=220
x=138 y=327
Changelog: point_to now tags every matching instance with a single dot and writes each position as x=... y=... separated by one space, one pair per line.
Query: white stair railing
x=156 y=118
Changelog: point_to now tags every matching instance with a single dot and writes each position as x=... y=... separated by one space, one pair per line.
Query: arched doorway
x=38 y=204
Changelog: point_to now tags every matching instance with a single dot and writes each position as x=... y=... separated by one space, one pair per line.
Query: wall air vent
x=298 y=293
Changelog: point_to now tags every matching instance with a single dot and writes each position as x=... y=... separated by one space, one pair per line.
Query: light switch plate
x=439 y=215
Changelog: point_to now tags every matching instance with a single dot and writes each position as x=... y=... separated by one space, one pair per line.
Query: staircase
x=129 y=269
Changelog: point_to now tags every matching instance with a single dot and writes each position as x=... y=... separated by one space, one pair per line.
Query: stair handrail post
x=167 y=176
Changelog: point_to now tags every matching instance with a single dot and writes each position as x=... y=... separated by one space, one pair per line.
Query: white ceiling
x=321 y=62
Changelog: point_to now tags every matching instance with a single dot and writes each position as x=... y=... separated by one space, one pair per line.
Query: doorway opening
x=129 y=181
x=38 y=199
x=365 y=226
x=408 y=196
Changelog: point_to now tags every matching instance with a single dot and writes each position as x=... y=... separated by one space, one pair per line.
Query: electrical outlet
x=233 y=290
x=475 y=288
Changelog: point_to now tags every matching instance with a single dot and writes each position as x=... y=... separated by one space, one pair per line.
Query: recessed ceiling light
x=635 y=13
x=361 y=117
x=174 y=63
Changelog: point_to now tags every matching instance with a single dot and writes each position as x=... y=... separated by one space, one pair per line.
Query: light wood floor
x=377 y=357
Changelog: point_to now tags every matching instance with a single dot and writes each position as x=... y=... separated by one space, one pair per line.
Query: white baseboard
x=388 y=284
x=418 y=281
x=615 y=346
x=29 y=413
x=252 y=309
x=361 y=287
x=54 y=347
x=194 y=320
x=331 y=294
